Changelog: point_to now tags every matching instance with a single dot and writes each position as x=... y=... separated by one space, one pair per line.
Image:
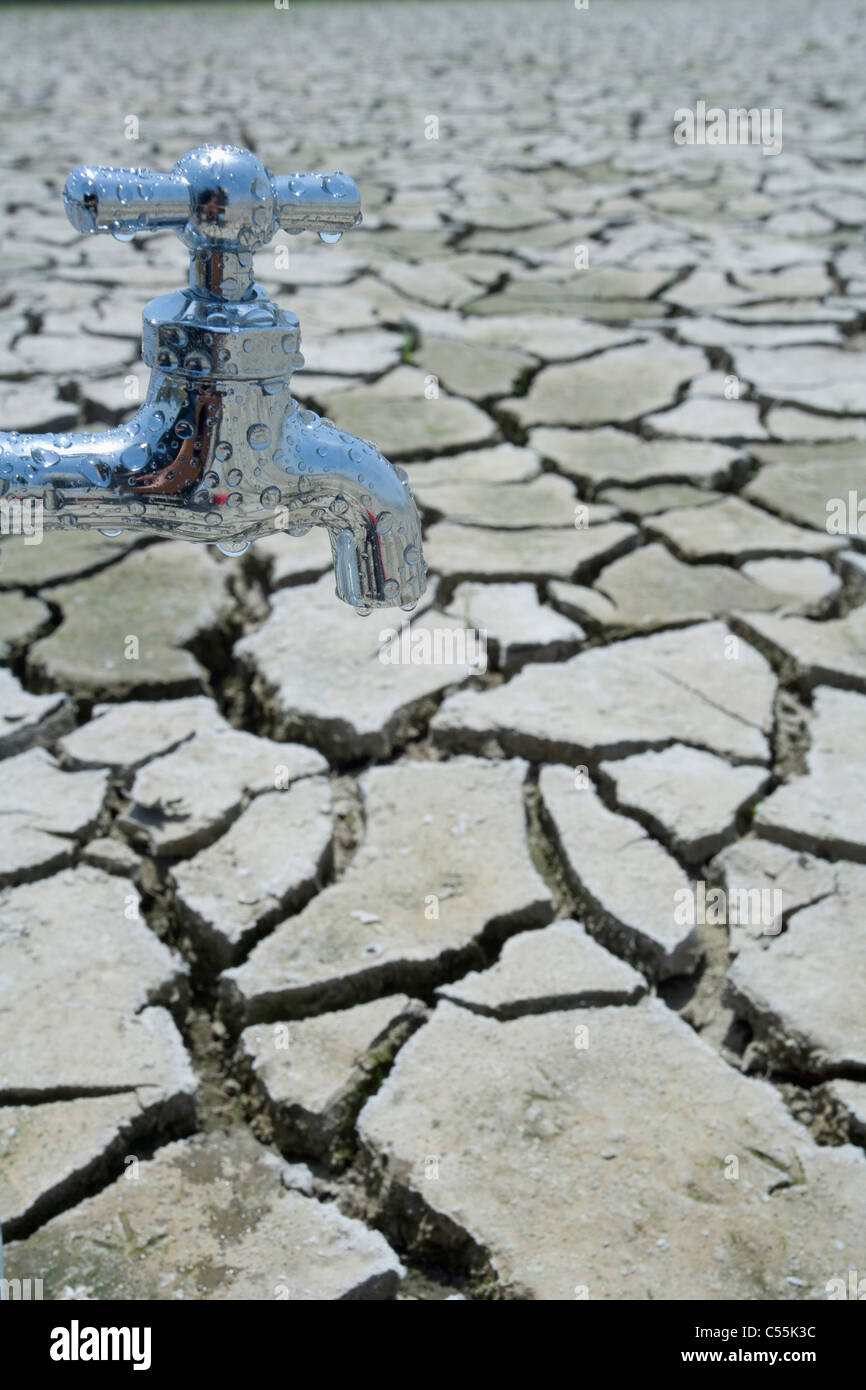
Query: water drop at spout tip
x=330 y=238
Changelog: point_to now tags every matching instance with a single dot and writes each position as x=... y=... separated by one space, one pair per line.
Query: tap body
x=220 y=451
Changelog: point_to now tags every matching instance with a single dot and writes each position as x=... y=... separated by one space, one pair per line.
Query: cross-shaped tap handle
x=223 y=204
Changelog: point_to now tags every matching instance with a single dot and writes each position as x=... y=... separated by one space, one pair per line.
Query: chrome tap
x=219 y=451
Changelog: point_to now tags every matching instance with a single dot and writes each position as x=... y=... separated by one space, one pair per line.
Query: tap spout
x=366 y=503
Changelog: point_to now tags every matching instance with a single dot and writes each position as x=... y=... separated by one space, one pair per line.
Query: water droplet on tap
x=135 y=456
x=258 y=436
x=44 y=456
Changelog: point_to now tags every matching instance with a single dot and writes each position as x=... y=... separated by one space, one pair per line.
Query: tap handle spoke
x=324 y=203
x=125 y=201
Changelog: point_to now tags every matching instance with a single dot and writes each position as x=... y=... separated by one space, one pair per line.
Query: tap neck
x=225 y=275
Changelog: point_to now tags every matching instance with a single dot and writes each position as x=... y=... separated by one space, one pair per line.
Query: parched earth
x=324 y=977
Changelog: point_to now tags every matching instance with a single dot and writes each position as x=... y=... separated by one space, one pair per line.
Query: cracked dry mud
x=325 y=978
